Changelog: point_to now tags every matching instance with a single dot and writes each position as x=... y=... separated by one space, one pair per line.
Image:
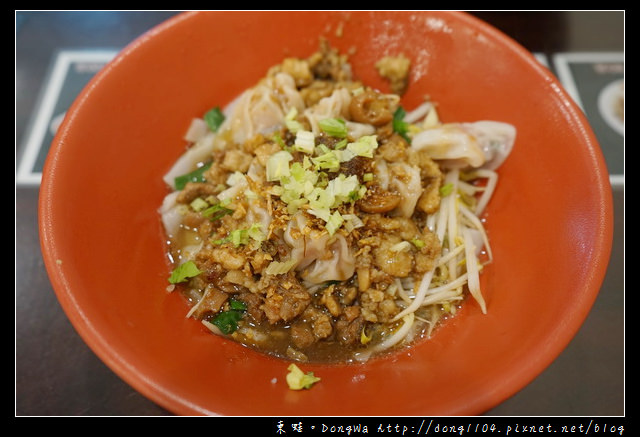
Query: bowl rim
x=174 y=403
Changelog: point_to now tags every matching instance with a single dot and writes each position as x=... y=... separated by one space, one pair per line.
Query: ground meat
x=427 y=255
x=319 y=89
x=211 y=302
x=357 y=166
x=193 y=190
x=322 y=326
x=216 y=175
x=302 y=335
x=395 y=263
x=236 y=160
x=329 y=64
x=432 y=178
x=254 y=302
x=396 y=70
x=286 y=300
x=299 y=70
x=378 y=306
x=349 y=328
x=228 y=258
x=405 y=228
x=264 y=151
x=294 y=302
x=329 y=300
x=394 y=149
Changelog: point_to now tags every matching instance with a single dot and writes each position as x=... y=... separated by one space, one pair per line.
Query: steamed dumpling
x=458 y=145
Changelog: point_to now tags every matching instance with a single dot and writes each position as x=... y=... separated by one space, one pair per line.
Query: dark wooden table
x=57 y=374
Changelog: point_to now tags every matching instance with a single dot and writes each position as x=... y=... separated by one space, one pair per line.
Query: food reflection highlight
x=316 y=220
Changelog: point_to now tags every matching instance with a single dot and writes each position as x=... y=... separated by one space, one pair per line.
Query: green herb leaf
x=399 y=125
x=227 y=321
x=214 y=118
x=334 y=127
x=195 y=176
x=183 y=272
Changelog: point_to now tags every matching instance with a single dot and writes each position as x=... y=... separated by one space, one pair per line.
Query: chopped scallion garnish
x=216 y=212
x=196 y=175
x=446 y=189
x=399 y=125
x=334 y=127
x=214 y=118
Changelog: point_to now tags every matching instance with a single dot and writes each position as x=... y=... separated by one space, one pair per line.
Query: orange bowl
x=550 y=221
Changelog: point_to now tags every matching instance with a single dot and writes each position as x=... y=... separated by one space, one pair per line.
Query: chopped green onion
x=278 y=165
x=351 y=222
x=305 y=141
x=216 y=212
x=279 y=141
x=328 y=161
x=198 y=204
x=183 y=272
x=280 y=267
x=290 y=121
x=364 y=146
x=418 y=243
x=399 y=125
x=446 y=189
x=241 y=237
x=196 y=175
x=214 y=118
x=367 y=177
x=236 y=304
x=236 y=178
x=334 y=127
x=297 y=379
x=334 y=222
x=340 y=144
x=255 y=232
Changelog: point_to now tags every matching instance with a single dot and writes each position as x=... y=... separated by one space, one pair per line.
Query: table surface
x=56 y=374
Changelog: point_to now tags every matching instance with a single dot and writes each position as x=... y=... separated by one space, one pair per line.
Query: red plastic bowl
x=550 y=222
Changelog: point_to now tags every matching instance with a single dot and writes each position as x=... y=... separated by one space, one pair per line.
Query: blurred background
x=57 y=53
